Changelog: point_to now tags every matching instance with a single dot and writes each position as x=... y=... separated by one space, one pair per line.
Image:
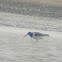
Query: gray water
x=16 y=19
x=15 y=48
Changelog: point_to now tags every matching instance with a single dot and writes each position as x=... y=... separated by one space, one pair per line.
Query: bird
x=36 y=35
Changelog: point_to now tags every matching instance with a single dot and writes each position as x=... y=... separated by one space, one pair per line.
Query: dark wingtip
x=47 y=35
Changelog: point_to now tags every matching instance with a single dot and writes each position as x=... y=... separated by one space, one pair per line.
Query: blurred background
x=41 y=10
x=45 y=8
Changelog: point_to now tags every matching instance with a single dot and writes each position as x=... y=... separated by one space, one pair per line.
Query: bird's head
x=29 y=33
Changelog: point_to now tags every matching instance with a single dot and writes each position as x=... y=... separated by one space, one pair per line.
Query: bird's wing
x=40 y=34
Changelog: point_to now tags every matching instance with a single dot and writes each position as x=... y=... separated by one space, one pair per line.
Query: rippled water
x=15 y=48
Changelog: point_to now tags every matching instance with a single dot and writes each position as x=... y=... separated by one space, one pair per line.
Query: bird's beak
x=25 y=35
